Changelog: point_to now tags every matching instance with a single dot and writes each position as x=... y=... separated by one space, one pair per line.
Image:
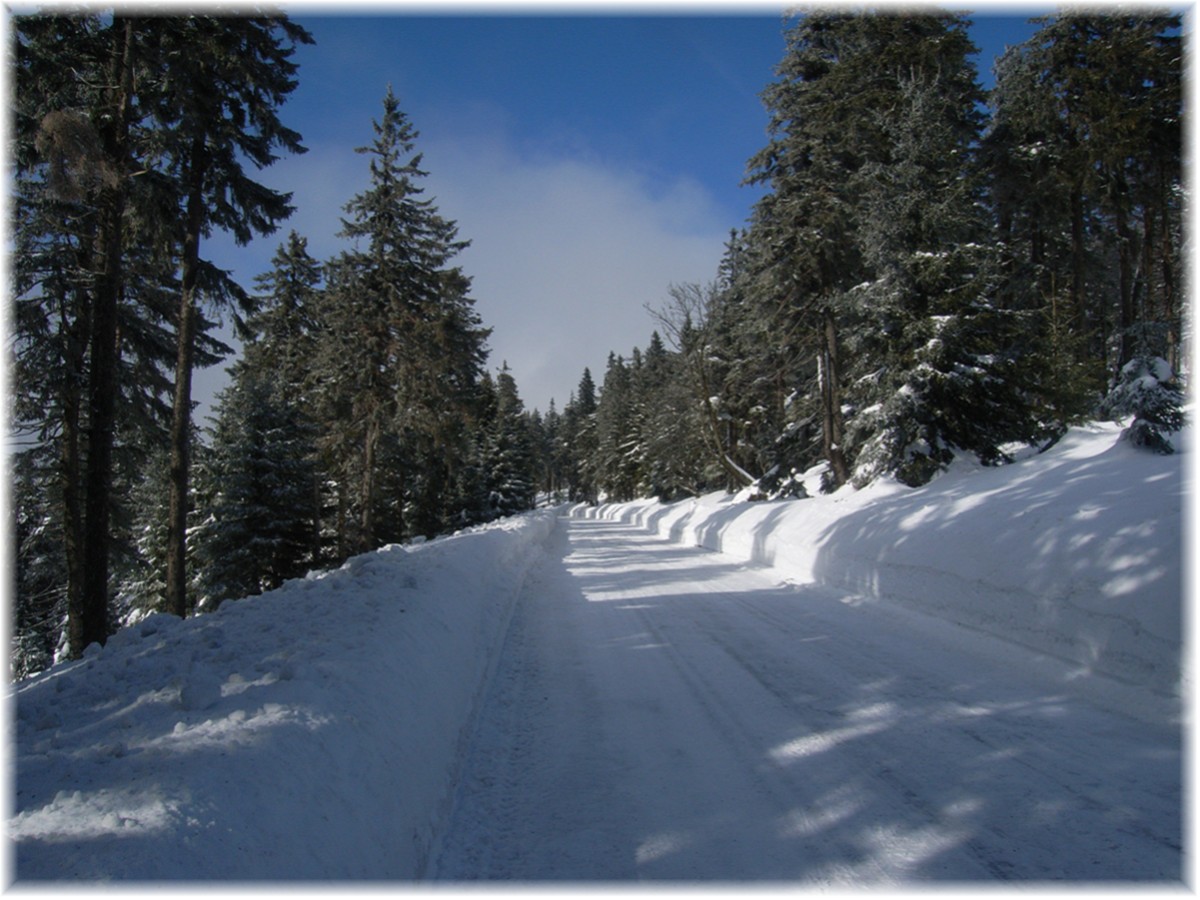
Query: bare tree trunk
x=181 y=419
x=69 y=467
x=1170 y=313
x=1125 y=263
x=831 y=403
x=368 y=485
x=75 y=324
x=686 y=323
x=88 y=616
x=1078 y=264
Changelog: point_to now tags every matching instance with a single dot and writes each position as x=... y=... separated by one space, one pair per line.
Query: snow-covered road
x=660 y=712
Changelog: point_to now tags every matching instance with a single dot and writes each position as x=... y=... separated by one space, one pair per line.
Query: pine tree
x=258 y=526
x=874 y=245
x=39 y=603
x=282 y=329
x=949 y=358
x=1149 y=392
x=223 y=80
x=1085 y=155
x=579 y=440
x=614 y=465
x=399 y=348
x=509 y=452
x=86 y=272
x=547 y=430
x=674 y=452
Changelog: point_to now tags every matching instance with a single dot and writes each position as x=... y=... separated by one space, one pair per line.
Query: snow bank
x=1075 y=553
x=313 y=732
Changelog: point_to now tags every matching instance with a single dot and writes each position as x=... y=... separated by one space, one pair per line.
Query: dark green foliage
x=924 y=278
x=39 y=606
x=1149 y=392
x=398 y=353
x=578 y=439
x=261 y=510
x=219 y=84
x=1085 y=155
x=508 y=462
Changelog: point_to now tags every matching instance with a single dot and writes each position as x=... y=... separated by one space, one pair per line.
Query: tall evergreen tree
x=1084 y=150
x=509 y=452
x=614 y=465
x=874 y=238
x=400 y=347
x=675 y=452
x=579 y=440
x=282 y=329
x=223 y=81
x=88 y=274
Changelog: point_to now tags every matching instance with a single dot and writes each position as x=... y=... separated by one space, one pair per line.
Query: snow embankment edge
x=313 y=732
x=1075 y=554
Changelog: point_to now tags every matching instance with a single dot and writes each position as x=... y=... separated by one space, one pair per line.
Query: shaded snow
x=312 y=732
x=1076 y=552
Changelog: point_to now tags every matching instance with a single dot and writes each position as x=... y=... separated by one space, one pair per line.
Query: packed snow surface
x=311 y=732
x=979 y=680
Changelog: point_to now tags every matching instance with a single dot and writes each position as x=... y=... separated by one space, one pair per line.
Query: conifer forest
x=933 y=270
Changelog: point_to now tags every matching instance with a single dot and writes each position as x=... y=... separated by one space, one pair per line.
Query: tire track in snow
x=661 y=713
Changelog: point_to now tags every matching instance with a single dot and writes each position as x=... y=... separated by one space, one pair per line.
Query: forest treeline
x=932 y=270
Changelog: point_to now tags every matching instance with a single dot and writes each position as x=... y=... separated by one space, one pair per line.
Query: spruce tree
x=87 y=270
x=1084 y=151
x=282 y=329
x=1149 y=392
x=873 y=243
x=399 y=348
x=259 y=521
x=509 y=458
x=612 y=468
x=579 y=440
x=222 y=82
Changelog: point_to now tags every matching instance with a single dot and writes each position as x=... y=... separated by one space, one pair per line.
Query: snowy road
x=661 y=713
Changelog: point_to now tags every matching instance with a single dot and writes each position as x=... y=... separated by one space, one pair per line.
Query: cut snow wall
x=1076 y=553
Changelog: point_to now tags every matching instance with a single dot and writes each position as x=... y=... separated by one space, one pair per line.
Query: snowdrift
x=1075 y=553
x=312 y=732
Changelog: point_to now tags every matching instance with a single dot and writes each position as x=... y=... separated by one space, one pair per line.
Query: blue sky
x=592 y=160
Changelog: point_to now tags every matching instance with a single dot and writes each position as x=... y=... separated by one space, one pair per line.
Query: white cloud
x=565 y=252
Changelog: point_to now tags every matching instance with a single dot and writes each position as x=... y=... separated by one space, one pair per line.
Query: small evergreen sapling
x=1149 y=391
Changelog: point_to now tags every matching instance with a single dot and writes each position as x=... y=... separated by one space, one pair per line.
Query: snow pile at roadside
x=312 y=732
x=1075 y=553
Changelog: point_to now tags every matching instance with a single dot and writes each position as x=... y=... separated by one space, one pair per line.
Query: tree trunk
x=1125 y=263
x=69 y=466
x=1079 y=265
x=88 y=618
x=368 y=485
x=181 y=419
x=831 y=403
x=1166 y=262
x=75 y=324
